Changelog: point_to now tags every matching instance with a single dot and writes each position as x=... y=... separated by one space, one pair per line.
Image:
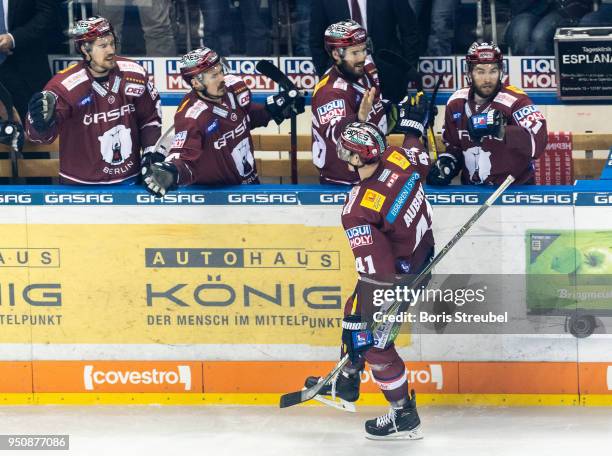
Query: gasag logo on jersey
x=359 y=236
x=109 y=116
x=134 y=90
x=328 y=111
x=174 y=80
x=179 y=139
x=464 y=71
x=232 y=134
x=538 y=73
x=245 y=68
x=438 y=67
x=301 y=71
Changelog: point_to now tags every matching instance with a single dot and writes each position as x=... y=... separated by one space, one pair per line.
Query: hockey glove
x=282 y=105
x=443 y=171
x=151 y=156
x=159 y=178
x=489 y=123
x=41 y=110
x=356 y=337
x=412 y=115
x=11 y=134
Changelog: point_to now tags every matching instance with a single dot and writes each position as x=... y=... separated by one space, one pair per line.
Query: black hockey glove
x=282 y=105
x=11 y=134
x=443 y=171
x=413 y=116
x=151 y=156
x=356 y=337
x=41 y=110
x=490 y=123
x=159 y=178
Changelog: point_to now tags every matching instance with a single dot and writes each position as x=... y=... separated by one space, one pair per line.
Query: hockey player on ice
x=490 y=130
x=348 y=92
x=104 y=109
x=212 y=143
x=387 y=220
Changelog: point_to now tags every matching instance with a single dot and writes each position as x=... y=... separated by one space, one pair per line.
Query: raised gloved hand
x=11 y=134
x=151 y=156
x=490 y=123
x=443 y=171
x=41 y=110
x=160 y=177
x=413 y=115
x=356 y=337
x=282 y=105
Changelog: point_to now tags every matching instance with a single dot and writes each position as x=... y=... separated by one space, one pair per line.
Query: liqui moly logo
x=301 y=71
x=255 y=81
x=538 y=73
x=359 y=236
x=97 y=377
x=174 y=80
x=433 y=68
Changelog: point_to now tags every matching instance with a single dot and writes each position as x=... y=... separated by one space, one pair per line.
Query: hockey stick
x=270 y=70
x=290 y=399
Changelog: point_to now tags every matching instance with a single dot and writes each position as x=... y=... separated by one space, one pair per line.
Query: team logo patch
x=179 y=140
x=327 y=112
x=399 y=159
x=134 y=90
x=359 y=236
x=373 y=200
x=212 y=126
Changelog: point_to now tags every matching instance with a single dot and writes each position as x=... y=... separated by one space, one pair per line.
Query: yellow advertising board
x=173 y=284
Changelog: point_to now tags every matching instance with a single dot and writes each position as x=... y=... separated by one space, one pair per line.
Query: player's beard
x=220 y=92
x=490 y=91
x=352 y=73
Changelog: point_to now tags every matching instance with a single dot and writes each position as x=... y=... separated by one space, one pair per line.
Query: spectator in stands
x=301 y=28
x=532 y=28
x=155 y=21
x=390 y=24
x=218 y=27
x=600 y=18
x=24 y=65
x=442 y=28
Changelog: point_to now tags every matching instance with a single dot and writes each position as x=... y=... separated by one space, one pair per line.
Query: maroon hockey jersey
x=387 y=217
x=492 y=160
x=102 y=126
x=335 y=104
x=212 y=142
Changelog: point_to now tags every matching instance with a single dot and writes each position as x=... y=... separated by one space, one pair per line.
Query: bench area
x=273 y=163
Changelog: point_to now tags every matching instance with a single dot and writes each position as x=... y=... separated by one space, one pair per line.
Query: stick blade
x=290 y=399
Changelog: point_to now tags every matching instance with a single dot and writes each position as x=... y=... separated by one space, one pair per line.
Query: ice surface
x=311 y=431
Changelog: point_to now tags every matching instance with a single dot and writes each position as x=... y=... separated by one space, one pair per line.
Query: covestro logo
x=94 y=377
